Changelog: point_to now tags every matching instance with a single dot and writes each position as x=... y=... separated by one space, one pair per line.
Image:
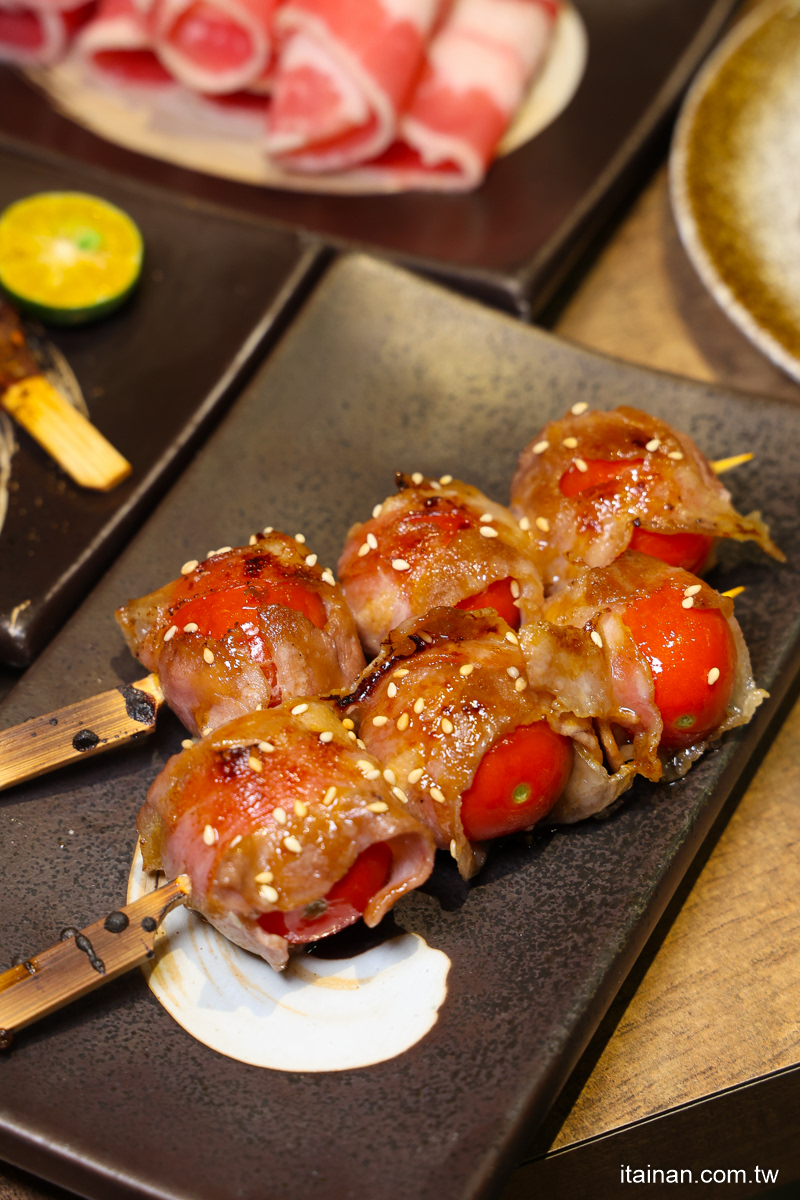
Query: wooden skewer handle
x=84 y=959
x=79 y=730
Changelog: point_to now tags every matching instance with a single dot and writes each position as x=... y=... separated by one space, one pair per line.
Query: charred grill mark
x=85 y=739
x=139 y=705
x=83 y=943
x=255 y=565
x=232 y=762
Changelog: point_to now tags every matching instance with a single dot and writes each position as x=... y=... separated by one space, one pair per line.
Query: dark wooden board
x=111 y=1098
x=155 y=376
x=510 y=241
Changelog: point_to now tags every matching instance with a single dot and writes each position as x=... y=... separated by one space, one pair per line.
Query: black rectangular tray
x=509 y=242
x=215 y=289
x=113 y=1099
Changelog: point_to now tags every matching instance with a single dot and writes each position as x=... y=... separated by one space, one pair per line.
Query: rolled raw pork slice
x=593 y=484
x=286 y=828
x=244 y=630
x=118 y=42
x=214 y=46
x=39 y=34
x=478 y=69
x=436 y=542
x=345 y=70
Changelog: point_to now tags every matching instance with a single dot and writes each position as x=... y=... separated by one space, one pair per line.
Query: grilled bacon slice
x=644 y=477
x=268 y=814
x=436 y=544
x=244 y=629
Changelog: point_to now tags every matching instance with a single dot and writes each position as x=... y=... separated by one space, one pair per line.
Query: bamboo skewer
x=84 y=959
x=726 y=464
x=79 y=730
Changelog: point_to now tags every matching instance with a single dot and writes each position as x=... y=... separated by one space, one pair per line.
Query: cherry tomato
x=682 y=646
x=343 y=904
x=517 y=782
x=498 y=596
x=598 y=470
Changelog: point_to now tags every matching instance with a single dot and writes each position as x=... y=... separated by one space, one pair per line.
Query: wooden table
x=714 y=1003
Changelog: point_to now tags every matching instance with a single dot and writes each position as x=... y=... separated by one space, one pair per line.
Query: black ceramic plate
x=510 y=241
x=111 y=1097
x=155 y=376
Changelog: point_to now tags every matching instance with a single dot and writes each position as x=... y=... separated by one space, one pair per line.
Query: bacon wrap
x=214 y=46
x=478 y=68
x=38 y=34
x=211 y=815
x=345 y=70
x=268 y=653
x=483 y=707
x=444 y=567
x=118 y=42
x=663 y=494
x=596 y=600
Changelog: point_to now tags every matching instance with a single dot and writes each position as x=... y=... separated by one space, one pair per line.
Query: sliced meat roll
x=593 y=484
x=286 y=828
x=214 y=46
x=118 y=42
x=244 y=630
x=38 y=34
x=436 y=543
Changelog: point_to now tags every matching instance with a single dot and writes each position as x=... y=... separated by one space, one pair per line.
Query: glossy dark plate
x=111 y=1098
x=155 y=376
x=510 y=241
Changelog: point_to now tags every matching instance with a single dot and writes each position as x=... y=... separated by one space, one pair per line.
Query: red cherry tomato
x=517 y=782
x=343 y=904
x=497 y=596
x=598 y=470
x=682 y=646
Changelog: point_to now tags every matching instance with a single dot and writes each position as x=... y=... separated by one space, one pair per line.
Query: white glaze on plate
x=318 y=1015
x=173 y=124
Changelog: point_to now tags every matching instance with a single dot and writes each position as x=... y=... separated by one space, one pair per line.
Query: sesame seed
x=372 y=541
x=268 y=893
x=235 y=841
x=437 y=795
x=426 y=637
x=327 y=576
x=415 y=775
x=513 y=672
x=488 y=531
x=713 y=675
x=400 y=564
x=280 y=815
x=516 y=590
x=170 y=634
x=267 y=530
x=255 y=764
x=417 y=478
x=326 y=736
x=524 y=524
x=209 y=835
x=187 y=743
x=389 y=775
x=253 y=539
x=300 y=537
x=208 y=656
x=512 y=637
x=578 y=409
x=291 y=843
x=361 y=744
x=266 y=747
x=373 y=774
x=453 y=848
x=192 y=627
x=380 y=721
x=419 y=705
x=692 y=590
x=329 y=796
x=570 y=442
x=437 y=487
x=467 y=669
x=676 y=455
x=189 y=566
x=363 y=550
x=595 y=636
x=377 y=510
x=391 y=690
x=351 y=735
x=400 y=794
x=300 y=809
x=688 y=602
x=264 y=877
x=543 y=524
x=311 y=560
x=445 y=479
x=653 y=445
x=540 y=447
x=485 y=517
x=348 y=724
x=520 y=684
x=364 y=765
x=224 y=550
x=401 y=672
x=378 y=806
x=402 y=721
x=298 y=709
x=259 y=707
x=447 y=725
x=580 y=463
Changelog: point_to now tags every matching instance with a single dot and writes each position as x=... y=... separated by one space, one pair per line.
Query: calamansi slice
x=68 y=257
